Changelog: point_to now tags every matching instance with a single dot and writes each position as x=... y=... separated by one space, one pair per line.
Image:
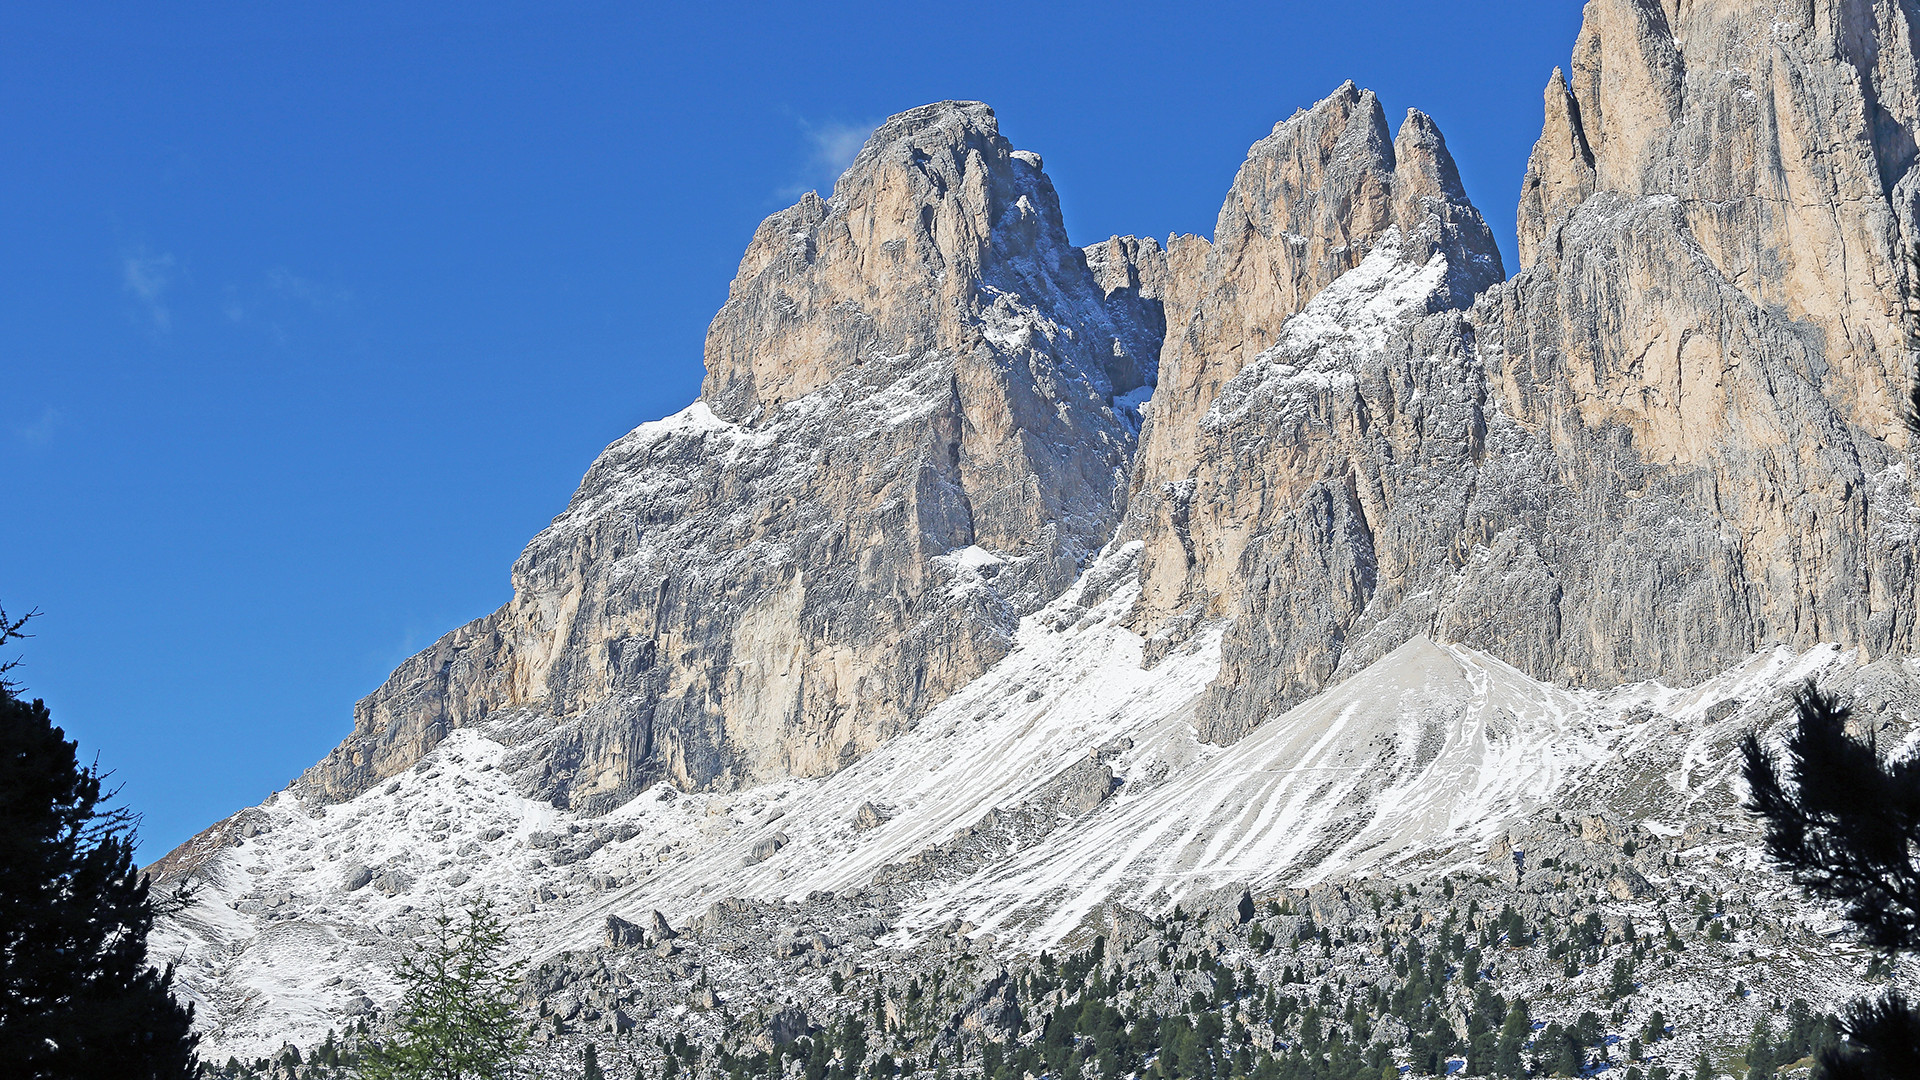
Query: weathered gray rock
x=1628 y=884
x=991 y=1013
x=657 y=928
x=868 y=817
x=392 y=881
x=908 y=438
x=766 y=849
x=1671 y=440
x=622 y=934
x=1078 y=790
x=1311 y=202
x=788 y=1026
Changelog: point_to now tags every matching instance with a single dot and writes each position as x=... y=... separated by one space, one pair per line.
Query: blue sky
x=312 y=314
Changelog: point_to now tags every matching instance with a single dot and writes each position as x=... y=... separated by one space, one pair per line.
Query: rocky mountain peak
x=1313 y=199
x=1707 y=331
x=914 y=429
x=864 y=630
x=1559 y=175
x=937 y=217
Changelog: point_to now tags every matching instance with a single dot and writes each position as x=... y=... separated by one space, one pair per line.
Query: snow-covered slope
x=995 y=586
x=1065 y=778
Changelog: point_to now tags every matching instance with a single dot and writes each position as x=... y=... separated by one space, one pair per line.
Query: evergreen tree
x=1760 y=1052
x=77 y=995
x=1621 y=985
x=1846 y=825
x=1513 y=1039
x=455 y=1020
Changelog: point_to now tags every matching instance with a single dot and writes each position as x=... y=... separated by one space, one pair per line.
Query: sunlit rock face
x=1672 y=439
x=993 y=581
x=915 y=428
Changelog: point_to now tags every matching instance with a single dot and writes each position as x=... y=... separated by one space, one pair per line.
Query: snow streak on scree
x=1422 y=758
x=1066 y=777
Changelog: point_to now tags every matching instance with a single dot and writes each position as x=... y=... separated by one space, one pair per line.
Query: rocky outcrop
x=621 y=934
x=1373 y=473
x=1312 y=201
x=1717 y=328
x=1671 y=440
x=1785 y=134
x=907 y=439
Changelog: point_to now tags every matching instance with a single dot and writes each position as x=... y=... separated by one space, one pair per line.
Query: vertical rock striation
x=907 y=438
x=1672 y=439
x=1312 y=201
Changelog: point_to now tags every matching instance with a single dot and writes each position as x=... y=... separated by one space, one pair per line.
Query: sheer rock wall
x=1673 y=438
x=907 y=439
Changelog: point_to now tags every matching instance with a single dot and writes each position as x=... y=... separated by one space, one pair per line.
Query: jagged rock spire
x=1311 y=201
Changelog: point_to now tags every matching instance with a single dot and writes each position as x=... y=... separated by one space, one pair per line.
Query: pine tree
x=77 y=996
x=1513 y=1039
x=1845 y=824
x=455 y=1020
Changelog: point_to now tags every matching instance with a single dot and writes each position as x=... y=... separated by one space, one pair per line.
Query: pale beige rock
x=1783 y=129
x=908 y=438
x=1559 y=174
x=1671 y=440
x=1311 y=201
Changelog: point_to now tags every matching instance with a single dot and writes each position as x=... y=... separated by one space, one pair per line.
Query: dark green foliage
x=456 y=1015
x=1621 y=984
x=77 y=995
x=1507 y=1060
x=1846 y=825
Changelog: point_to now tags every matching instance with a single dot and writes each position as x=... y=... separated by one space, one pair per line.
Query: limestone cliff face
x=907 y=439
x=1785 y=133
x=1717 y=287
x=1673 y=438
x=1313 y=199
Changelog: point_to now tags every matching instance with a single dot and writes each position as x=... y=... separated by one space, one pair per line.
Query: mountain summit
x=915 y=429
x=998 y=593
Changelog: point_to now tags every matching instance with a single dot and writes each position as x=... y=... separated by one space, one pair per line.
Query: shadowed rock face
x=907 y=439
x=1311 y=202
x=1671 y=440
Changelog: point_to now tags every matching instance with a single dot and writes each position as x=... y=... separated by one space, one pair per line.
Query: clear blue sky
x=311 y=314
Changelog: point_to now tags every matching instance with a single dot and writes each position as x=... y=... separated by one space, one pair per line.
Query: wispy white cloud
x=39 y=432
x=317 y=295
x=281 y=296
x=147 y=278
x=833 y=146
x=836 y=145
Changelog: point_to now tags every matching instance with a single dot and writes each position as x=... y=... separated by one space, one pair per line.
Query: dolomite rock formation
x=1376 y=482
x=1671 y=440
x=907 y=439
x=1311 y=201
